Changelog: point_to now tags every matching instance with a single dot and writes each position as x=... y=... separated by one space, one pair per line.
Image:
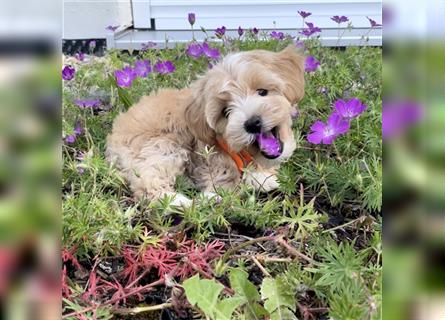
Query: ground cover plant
x=310 y=250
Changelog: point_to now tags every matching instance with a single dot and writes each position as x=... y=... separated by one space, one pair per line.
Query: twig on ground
x=260 y=266
x=292 y=250
x=243 y=245
x=142 y=309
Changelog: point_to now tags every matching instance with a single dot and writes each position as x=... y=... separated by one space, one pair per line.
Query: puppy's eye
x=262 y=92
x=225 y=112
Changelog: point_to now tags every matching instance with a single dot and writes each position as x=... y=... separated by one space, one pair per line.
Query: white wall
x=172 y=14
x=85 y=19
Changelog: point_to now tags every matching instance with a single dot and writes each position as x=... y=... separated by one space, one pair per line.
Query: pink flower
x=339 y=19
x=164 y=67
x=87 y=103
x=142 y=68
x=194 y=50
x=373 y=23
x=349 y=109
x=240 y=31
x=310 y=30
x=68 y=73
x=192 y=18
x=112 y=28
x=304 y=14
x=209 y=51
x=80 y=56
x=311 y=64
x=125 y=77
x=326 y=133
x=277 y=35
x=220 y=32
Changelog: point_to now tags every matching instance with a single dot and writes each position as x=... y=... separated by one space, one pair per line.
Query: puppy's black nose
x=253 y=125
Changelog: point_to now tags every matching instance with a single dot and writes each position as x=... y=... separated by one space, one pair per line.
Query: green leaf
x=204 y=293
x=279 y=298
x=248 y=293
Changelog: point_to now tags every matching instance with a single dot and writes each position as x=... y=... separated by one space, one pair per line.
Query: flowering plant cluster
x=337 y=123
x=68 y=73
x=128 y=256
x=196 y=50
x=141 y=69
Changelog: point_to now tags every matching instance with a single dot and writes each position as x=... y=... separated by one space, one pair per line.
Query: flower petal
x=315 y=137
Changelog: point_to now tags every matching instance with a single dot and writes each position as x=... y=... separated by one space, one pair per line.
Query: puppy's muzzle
x=253 y=125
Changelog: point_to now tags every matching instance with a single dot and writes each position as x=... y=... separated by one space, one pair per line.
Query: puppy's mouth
x=269 y=143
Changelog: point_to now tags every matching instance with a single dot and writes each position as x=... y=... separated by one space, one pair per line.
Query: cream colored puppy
x=242 y=107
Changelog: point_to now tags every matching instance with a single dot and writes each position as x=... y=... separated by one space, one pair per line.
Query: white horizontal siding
x=87 y=19
x=170 y=15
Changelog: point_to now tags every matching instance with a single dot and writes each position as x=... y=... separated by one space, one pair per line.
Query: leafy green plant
x=248 y=293
x=340 y=263
x=301 y=221
x=205 y=294
x=279 y=299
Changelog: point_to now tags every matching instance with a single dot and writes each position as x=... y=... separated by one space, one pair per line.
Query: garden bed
x=310 y=250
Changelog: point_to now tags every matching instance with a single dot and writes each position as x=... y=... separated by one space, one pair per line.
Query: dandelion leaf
x=248 y=294
x=204 y=294
x=279 y=298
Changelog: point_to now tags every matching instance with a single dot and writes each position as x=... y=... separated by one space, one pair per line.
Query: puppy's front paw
x=262 y=181
x=179 y=200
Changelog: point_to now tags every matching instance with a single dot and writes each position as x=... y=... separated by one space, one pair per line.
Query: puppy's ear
x=289 y=64
x=195 y=114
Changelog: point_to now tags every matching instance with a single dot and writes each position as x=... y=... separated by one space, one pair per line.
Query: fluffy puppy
x=242 y=107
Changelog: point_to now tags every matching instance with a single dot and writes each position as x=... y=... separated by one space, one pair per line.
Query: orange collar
x=242 y=159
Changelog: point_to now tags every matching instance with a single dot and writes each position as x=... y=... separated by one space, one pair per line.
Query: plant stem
x=342 y=226
x=260 y=266
x=243 y=245
x=116 y=299
x=292 y=250
x=143 y=309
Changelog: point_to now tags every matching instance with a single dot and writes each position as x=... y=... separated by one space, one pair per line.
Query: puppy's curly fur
x=158 y=138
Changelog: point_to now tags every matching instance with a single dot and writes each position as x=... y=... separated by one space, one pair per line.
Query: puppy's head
x=247 y=100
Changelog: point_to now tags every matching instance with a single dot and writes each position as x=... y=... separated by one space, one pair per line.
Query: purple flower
x=304 y=14
x=70 y=138
x=326 y=133
x=310 y=30
x=220 y=32
x=209 y=51
x=340 y=19
x=373 y=23
x=142 y=68
x=269 y=144
x=164 y=67
x=192 y=18
x=80 y=56
x=240 y=31
x=68 y=73
x=349 y=109
x=255 y=31
x=125 y=77
x=92 y=44
x=277 y=35
x=311 y=64
x=299 y=44
x=398 y=116
x=87 y=103
x=148 y=45
x=194 y=50
x=112 y=28
x=78 y=128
